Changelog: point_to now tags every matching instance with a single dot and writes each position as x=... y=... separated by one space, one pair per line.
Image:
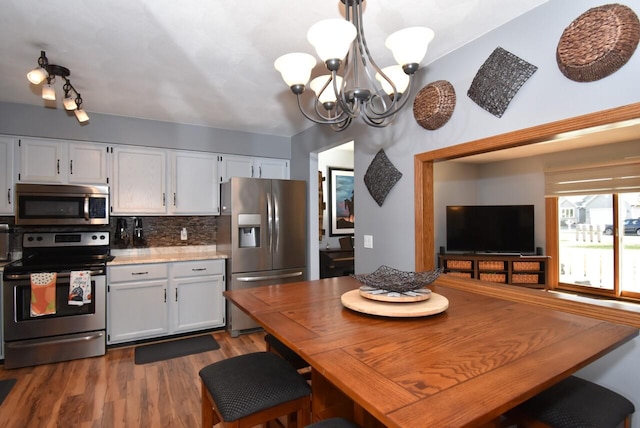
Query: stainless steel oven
x=71 y=330
x=60 y=204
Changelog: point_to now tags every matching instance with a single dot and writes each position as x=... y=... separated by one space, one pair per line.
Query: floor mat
x=5 y=388
x=174 y=348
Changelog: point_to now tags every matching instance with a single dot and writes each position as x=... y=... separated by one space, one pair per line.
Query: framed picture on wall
x=341 y=214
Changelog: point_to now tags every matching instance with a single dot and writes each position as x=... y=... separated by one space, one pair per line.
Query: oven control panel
x=64 y=239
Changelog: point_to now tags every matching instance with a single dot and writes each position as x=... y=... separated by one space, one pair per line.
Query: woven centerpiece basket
x=598 y=43
x=434 y=104
x=386 y=278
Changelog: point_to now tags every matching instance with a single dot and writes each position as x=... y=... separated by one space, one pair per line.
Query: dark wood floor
x=111 y=391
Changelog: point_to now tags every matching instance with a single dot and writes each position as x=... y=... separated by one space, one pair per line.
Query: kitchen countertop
x=165 y=255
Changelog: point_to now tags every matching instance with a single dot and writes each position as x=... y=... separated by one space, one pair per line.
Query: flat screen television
x=491 y=229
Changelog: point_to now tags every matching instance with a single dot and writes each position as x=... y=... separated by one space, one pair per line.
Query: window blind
x=612 y=177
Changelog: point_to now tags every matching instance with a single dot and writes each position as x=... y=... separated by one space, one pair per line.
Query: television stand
x=526 y=271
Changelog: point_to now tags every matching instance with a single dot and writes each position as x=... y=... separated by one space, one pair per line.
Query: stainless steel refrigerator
x=262 y=230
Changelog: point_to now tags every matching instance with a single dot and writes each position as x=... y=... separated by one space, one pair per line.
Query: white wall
x=546 y=97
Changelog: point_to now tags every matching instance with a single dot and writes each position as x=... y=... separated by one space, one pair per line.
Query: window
x=598 y=228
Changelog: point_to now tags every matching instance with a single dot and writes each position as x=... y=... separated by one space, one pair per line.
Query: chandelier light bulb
x=332 y=38
x=37 y=75
x=328 y=95
x=48 y=92
x=397 y=75
x=295 y=68
x=409 y=46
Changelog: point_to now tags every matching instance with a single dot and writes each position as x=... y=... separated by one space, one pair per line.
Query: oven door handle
x=92 y=336
x=25 y=276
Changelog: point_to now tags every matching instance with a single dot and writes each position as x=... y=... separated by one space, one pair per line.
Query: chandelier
x=45 y=71
x=341 y=44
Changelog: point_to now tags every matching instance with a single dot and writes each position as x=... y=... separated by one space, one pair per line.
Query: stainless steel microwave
x=59 y=204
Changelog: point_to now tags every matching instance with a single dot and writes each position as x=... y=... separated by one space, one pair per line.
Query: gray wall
x=547 y=96
x=35 y=121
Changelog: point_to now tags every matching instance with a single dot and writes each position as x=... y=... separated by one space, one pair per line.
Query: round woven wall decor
x=598 y=43
x=434 y=104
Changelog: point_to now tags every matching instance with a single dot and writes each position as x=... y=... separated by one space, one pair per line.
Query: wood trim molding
x=423 y=179
x=605 y=310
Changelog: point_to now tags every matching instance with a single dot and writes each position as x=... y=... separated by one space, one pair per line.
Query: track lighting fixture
x=49 y=72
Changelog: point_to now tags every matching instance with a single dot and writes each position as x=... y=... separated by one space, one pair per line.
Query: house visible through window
x=598 y=228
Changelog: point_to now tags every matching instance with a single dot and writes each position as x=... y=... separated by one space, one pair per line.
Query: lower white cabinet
x=196 y=294
x=157 y=299
x=137 y=302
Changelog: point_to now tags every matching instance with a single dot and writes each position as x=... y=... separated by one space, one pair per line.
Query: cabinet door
x=137 y=310
x=138 y=181
x=235 y=166
x=7 y=146
x=194 y=179
x=197 y=303
x=87 y=163
x=272 y=168
x=42 y=161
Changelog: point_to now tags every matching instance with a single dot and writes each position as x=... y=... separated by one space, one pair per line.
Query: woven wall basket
x=598 y=43
x=434 y=104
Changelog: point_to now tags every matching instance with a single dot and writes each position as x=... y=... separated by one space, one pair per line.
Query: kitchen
x=18 y=119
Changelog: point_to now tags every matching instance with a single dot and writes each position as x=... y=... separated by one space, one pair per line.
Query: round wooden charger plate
x=354 y=301
x=390 y=296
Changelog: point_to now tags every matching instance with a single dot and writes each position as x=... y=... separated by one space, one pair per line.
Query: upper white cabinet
x=272 y=168
x=139 y=177
x=194 y=183
x=61 y=162
x=7 y=147
x=247 y=166
x=88 y=163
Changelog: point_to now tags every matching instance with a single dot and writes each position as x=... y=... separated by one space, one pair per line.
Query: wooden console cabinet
x=527 y=271
x=336 y=262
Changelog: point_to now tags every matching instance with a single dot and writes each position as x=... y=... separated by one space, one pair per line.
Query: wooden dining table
x=462 y=367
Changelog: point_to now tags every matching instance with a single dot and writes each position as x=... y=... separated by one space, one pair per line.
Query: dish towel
x=79 y=287
x=43 y=293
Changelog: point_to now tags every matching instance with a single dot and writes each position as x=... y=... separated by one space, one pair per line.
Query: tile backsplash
x=158 y=231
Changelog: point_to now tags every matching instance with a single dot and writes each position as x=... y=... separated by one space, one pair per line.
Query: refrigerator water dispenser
x=249 y=230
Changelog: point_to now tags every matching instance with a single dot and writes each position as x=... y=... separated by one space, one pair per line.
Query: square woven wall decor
x=498 y=80
x=381 y=176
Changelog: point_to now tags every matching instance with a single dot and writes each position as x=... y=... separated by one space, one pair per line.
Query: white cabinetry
x=157 y=299
x=137 y=305
x=247 y=166
x=196 y=294
x=272 y=168
x=88 y=163
x=53 y=161
x=7 y=147
x=139 y=177
x=194 y=183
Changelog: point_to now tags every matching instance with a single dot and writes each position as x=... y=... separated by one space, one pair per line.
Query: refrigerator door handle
x=269 y=277
x=276 y=227
x=270 y=220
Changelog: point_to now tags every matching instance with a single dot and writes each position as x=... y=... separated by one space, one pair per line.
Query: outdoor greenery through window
x=599 y=243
